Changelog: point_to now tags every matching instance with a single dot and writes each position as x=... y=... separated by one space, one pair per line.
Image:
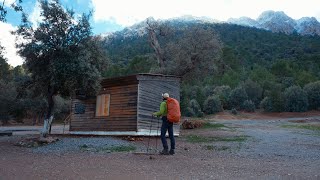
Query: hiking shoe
x=164 y=152
x=171 y=152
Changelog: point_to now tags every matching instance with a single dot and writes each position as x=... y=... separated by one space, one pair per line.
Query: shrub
x=223 y=92
x=189 y=112
x=237 y=97
x=194 y=109
x=208 y=90
x=197 y=93
x=212 y=105
x=277 y=100
x=313 y=93
x=248 y=106
x=234 y=111
x=266 y=104
x=253 y=90
x=296 y=99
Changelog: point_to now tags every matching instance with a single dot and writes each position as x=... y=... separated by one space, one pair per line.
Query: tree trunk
x=49 y=117
x=152 y=27
x=157 y=49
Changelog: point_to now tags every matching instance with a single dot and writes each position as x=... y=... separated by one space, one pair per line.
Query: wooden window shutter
x=103 y=105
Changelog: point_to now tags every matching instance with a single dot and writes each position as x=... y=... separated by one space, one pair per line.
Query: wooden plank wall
x=123 y=111
x=149 y=99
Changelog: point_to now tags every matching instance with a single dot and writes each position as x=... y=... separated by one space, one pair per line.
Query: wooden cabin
x=124 y=106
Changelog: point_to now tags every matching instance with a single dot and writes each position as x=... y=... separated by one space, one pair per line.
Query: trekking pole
x=157 y=135
x=149 y=134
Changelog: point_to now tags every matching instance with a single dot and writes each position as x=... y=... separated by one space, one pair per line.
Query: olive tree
x=61 y=55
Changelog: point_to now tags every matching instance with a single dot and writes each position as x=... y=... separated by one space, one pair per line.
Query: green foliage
x=201 y=139
x=209 y=125
x=296 y=99
x=277 y=99
x=223 y=92
x=312 y=127
x=7 y=99
x=262 y=76
x=139 y=64
x=248 y=106
x=282 y=68
x=208 y=90
x=120 y=148
x=212 y=105
x=4 y=67
x=234 y=111
x=197 y=93
x=313 y=93
x=230 y=78
x=237 y=97
x=304 y=77
x=253 y=90
x=266 y=104
x=194 y=109
x=60 y=53
x=62 y=108
x=230 y=58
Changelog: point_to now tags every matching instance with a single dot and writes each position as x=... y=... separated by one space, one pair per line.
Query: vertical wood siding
x=122 y=112
x=149 y=98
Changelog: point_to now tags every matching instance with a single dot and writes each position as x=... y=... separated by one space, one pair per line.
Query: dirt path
x=270 y=150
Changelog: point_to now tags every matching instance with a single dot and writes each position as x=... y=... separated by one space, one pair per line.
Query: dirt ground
x=245 y=146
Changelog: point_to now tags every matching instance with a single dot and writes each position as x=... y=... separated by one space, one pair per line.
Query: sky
x=114 y=15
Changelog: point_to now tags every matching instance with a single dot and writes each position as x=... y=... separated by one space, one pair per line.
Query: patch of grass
x=200 y=139
x=84 y=146
x=216 y=148
x=309 y=127
x=121 y=148
x=208 y=125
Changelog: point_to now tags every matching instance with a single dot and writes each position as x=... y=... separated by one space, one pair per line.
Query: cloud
x=35 y=17
x=128 y=12
x=8 y=2
x=7 y=40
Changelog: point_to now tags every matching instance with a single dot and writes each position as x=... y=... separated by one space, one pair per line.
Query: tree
x=61 y=55
x=153 y=27
x=313 y=93
x=196 y=52
x=296 y=99
x=4 y=66
x=181 y=51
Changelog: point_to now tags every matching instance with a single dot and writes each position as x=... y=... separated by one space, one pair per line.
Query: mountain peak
x=278 y=21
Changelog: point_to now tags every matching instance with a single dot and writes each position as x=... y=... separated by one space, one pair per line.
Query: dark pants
x=166 y=125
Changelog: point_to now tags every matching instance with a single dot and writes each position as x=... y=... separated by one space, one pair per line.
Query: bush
x=197 y=93
x=296 y=99
x=223 y=92
x=248 y=106
x=208 y=90
x=189 y=112
x=194 y=109
x=237 y=97
x=234 y=111
x=253 y=90
x=266 y=104
x=313 y=93
x=212 y=105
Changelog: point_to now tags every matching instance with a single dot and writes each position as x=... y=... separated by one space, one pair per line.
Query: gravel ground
x=65 y=145
x=269 y=152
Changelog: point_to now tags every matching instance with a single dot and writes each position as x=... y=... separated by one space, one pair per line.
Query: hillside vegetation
x=257 y=68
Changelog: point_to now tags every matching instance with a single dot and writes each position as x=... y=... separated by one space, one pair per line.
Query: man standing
x=166 y=126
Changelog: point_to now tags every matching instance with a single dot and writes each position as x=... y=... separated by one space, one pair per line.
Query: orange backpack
x=174 y=113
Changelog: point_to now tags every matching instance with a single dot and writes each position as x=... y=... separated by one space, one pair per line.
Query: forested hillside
x=257 y=68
